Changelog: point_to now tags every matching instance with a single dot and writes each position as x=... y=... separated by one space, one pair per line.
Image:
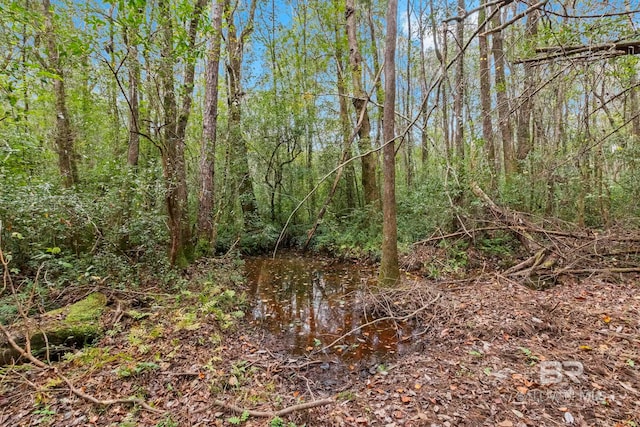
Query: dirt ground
x=488 y=351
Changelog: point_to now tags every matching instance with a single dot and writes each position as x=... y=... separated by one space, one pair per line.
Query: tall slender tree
x=131 y=41
x=64 y=136
x=524 y=117
x=173 y=131
x=485 y=94
x=389 y=269
x=458 y=100
x=237 y=145
x=361 y=102
x=206 y=195
x=502 y=97
x=345 y=126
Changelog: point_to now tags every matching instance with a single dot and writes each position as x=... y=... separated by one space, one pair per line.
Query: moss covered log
x=70 y=326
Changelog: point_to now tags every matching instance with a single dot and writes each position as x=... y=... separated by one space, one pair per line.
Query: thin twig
x=269 y=414
x=108 y=402
x=380 y=319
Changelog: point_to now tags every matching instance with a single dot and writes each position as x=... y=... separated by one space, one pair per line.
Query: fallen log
x=66 y=327
x=554 y=252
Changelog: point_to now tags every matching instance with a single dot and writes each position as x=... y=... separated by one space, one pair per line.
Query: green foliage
x=95 y=357
x=239 y=420
x=355 y=235
x=135 y=370
x=501 y=245
x=456 y=257
x=531 y=358
x=168 y=422
x=114 y=222
x=279 y=422
x=421 y=210
x=46 y=414
x=226 y=305
x=80 y=236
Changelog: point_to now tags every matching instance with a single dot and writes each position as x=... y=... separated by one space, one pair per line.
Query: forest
x=438 y=201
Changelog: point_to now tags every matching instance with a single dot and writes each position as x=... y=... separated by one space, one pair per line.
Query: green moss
x=87 y=310
x=79 y=321
x=57 y=330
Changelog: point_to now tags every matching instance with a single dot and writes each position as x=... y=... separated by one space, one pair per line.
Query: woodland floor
x=477 y=361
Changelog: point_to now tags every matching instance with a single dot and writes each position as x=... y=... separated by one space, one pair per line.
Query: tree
x=502 y=98
x=485 y=95
x=131 y=41
x=389 y=270
x=64 y=139
x=525 y=137
x=206 y=198
x=173 y=132
x=345 y=126
x=237 y=145
x=361 y=102
x=459 y=87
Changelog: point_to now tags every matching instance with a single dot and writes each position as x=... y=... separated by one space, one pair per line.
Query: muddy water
x=308 y=303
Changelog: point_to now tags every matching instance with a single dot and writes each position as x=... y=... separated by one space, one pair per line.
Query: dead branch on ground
x=394 y=318
x=270 y=414
x=553 y=251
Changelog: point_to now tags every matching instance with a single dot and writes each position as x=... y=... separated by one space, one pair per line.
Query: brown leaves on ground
x=476 y=361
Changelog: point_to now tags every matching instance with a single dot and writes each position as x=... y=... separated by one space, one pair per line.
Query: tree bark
x=133 y=150
x=64 y=139
x=241 y=175
x=525 y=140
x=112 y=88
x=206 y=196
x=173 y=134
x=502 y=99
x=408 y=142
x=444 y=93
x=360 y=102
x=345 y=126
x=424 y=142
x=458 y=104
x=485 y=99
x=634 y=106
x=389 y=271
x=458 y=100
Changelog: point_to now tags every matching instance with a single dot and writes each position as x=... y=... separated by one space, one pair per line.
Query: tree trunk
x=525 y=140
x=502 y=99
x=389 y=271
x=407 y=142
x=64 y=138
x=634 y=105
x=205 y=225
x=458 y=104
x=241 y=176
x=130 y=40
x=485 y=99
x=360 y=102
x=112 y=89
x=458 y=100
x=424 y=142
x=173 y=144
x=345 y=126
x=445 y=98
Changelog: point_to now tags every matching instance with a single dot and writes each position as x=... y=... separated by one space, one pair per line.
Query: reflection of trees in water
x=302 y=299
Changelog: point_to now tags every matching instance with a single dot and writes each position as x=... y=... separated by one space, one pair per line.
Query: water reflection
x=310 y=302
